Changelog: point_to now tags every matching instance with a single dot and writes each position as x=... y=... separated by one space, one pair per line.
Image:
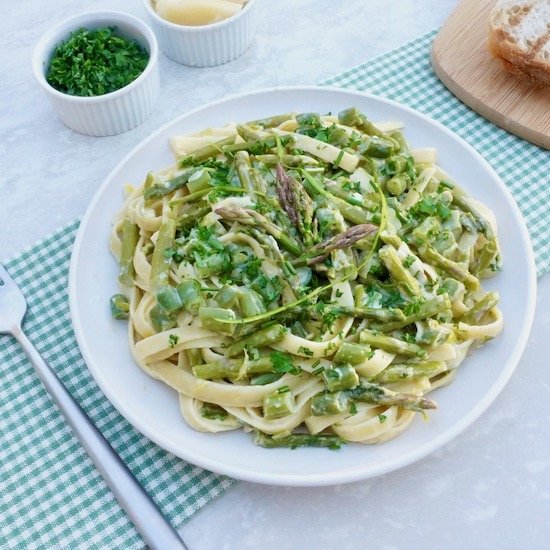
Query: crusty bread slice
x=519 y=35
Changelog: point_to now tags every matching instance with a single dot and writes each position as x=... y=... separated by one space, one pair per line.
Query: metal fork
x=147 y=518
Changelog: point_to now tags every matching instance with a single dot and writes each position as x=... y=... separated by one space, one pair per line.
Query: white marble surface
x=490 y=487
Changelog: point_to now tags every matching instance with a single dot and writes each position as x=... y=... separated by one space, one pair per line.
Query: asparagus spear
x=160 y=263
x=340 y=377
x=278 y=404
x=227 y=369
x=263 y=337
x=326 y=403
x=120 y=306
x=409 y=371
x=285 y=194
x=393 y=345
x=379 y=395
x=489 y=301
x=253 y=218
x=271 y=122
x=162 y=188
x=341 y=241
x=391 y=260
x=207 y=151
x=352 y=213
x=293 y=441
x=296 y=203
x=287 y=160
x=352 y=353
x=425 y=310
x=130 y=237
x=454 y=269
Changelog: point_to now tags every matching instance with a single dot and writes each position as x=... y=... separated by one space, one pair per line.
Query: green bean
x=130 y=237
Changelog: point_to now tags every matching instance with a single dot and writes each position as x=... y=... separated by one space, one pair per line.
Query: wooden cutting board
x=461 y=60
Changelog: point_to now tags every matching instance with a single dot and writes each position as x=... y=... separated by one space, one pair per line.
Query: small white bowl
x=112 y=113
x=206 y=45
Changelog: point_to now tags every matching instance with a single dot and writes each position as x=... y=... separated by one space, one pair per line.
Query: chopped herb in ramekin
x=95 y=62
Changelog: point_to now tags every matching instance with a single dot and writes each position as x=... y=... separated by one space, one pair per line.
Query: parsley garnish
x=305 y=351
x=173 y=340
x=282 y=362
x=95 y=62
x=382 y=418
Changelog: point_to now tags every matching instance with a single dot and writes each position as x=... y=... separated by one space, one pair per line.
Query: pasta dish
x=309 y=278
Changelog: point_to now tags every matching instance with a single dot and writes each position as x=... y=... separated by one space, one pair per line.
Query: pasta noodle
x=306 y=277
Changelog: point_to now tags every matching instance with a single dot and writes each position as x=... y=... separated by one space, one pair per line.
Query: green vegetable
x=95 y=62
x=294 y=441
x=278 y=404
x=120 y=306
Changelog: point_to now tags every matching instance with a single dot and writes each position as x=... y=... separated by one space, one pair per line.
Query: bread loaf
x=519 y=35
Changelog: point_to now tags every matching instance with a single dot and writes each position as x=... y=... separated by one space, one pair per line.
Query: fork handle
x=144 y=514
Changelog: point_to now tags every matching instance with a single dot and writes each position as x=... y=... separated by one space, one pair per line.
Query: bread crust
x=502 y=44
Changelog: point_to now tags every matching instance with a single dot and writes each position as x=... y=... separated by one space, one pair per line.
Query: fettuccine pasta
x=306 y=277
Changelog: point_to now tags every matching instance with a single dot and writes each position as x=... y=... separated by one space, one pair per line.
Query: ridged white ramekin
x=206 y=45
x=107 y=114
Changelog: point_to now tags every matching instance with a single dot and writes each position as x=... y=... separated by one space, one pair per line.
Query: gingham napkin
x=405 y=75
x=51 y=495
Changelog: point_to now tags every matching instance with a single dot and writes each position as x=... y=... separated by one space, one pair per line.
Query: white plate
x=153 y=408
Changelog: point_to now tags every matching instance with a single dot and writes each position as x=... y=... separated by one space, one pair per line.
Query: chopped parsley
x=282 y=362
x=173 y=340
x=305 y=351
x=382 y=418
x=95 y=62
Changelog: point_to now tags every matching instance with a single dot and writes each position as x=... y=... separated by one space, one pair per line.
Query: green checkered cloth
x=51 y=495
x=405 y=75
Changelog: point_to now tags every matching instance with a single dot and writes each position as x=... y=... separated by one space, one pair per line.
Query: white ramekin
x=207 y=45
x=107 y=114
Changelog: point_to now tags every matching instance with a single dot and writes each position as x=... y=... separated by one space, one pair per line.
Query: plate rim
x=347 y=475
